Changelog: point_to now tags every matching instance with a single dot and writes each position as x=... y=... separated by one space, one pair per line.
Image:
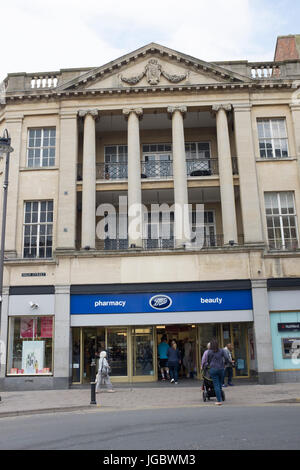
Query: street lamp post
x=5 y=149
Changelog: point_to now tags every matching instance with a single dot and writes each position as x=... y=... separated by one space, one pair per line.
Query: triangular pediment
x=153 y=66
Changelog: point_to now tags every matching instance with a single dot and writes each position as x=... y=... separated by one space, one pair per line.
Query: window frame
x=273 y=139
x=280 y=216
x=157 y=153
x=207 y=227
x=41 y=148
x=197 y=150
x=38 y=224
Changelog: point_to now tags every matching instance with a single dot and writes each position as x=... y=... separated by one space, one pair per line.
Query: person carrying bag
x=103 y=373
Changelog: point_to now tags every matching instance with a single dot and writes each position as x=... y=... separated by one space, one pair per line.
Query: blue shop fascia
x=52 y=334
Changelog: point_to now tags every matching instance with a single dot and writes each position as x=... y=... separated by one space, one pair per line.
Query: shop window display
x=30 y=346
x=143 y=351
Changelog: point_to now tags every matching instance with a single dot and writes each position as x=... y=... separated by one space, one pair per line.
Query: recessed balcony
x=158 y=169
x=211 y=241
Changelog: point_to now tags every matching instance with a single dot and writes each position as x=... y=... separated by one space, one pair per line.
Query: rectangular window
x=142 y=346
x=117 y=351
x=30 y=345
x=281 y=220
x=159 y=230
x=157 y=161
x=272 y=135
x=115 y=157
x=197 y=150
x=38 y=229
x=209 y=234
x=198 y=160
x=41 y=147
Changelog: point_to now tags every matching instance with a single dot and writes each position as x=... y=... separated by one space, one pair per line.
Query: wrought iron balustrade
x=157 y=169
x=159 y=243
x=215 y=241
x=148 y=244
x=112 y=171
x=202 y=167
x=117 y=244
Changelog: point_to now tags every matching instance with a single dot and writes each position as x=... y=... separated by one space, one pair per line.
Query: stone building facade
x=152 y=127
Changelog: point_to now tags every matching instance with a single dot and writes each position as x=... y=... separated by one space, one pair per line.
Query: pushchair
x=208 y=387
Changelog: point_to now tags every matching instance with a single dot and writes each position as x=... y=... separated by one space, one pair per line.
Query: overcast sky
x=37 y=36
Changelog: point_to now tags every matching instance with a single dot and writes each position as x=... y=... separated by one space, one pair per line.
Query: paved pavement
x=143 y=396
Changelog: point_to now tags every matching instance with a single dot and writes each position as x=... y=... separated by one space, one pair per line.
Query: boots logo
x=160 y=302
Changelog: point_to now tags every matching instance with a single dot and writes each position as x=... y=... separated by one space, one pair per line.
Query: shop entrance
x=186 y=338
x=132 y=351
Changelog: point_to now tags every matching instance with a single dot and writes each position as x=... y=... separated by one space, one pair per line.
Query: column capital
x=137 y=111
x=182 y=109
x=92 y=112
x=217 y=107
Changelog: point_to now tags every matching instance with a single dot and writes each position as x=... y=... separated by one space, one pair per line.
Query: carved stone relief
x=153 y=71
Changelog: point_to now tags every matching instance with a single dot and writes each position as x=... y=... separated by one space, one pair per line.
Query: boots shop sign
x=167 y=302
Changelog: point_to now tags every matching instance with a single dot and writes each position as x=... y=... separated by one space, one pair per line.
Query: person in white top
x=103 y=373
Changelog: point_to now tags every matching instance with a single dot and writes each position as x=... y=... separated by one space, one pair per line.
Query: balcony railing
x=202 y=167
x=149 y=244
x=158 y=169
x=112 y=171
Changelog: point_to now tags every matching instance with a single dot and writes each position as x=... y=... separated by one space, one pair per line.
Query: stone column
x=14 y=126
x=251 y=210
x=181 y=215
x=88 y=221
x=67 y=195
x=295 y=110
x=134 y=178
x=62 y=325
x=262 y=331
x=225 y=172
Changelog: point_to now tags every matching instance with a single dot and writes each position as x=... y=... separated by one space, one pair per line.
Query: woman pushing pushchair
x=212 y=365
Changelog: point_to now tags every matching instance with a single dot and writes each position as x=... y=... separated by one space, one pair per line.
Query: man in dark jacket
x=174 y=360
x=229 y=364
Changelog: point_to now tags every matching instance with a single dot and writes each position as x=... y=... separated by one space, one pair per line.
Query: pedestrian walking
x=229 y=364
x=204 y=357
x=216 y=361
x=174 y=361
x=163 y=358
x=187 y=357
x=103 y=373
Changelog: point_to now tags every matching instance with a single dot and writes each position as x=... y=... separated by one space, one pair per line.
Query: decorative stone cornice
x=137 y=111
x=55 y=94
x=92 y=112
